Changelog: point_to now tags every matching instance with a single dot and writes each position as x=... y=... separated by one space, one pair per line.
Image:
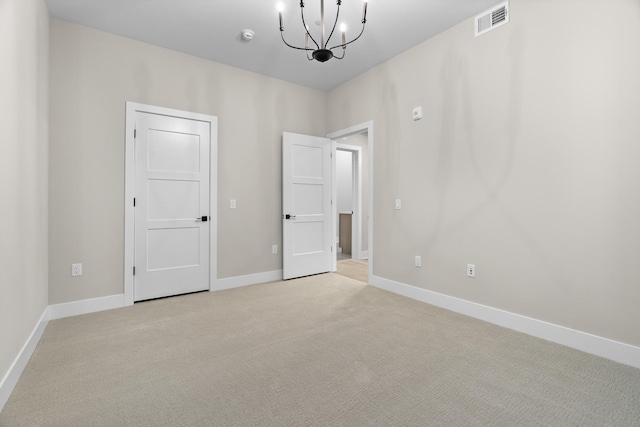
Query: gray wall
x=24 y=89
x=93 y=74
x=525 y=163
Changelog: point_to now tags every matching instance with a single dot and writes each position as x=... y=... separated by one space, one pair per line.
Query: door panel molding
x=129 y=238
x=306 y=205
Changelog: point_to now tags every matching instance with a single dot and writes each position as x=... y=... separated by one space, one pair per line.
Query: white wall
x=93 y=74
x=525 y=163
x=24 y=40
x=344 y=181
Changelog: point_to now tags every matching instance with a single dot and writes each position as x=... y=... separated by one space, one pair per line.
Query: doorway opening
x=348 y=201
x=353 y=193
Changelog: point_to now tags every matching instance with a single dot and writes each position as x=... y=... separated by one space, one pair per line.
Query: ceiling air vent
x=493 y=18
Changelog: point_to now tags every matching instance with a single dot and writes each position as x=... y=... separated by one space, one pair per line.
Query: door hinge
x=135 y=133
x=134 y=271
x=134 y=202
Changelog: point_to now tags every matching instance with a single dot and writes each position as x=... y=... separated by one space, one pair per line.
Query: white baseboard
x=249 y=279
x=76 y=308
x=599 y=346
x=364 y=255
x=12 y=376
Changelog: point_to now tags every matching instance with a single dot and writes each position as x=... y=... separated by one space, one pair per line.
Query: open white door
x=306 y=205
x=171 y=206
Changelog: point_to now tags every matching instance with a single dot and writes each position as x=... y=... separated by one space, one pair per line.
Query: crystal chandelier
x=320 y=51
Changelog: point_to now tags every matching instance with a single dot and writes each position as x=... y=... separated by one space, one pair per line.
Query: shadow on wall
x=459 y=125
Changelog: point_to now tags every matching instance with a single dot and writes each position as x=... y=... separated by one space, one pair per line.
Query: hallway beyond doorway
x=357 y=269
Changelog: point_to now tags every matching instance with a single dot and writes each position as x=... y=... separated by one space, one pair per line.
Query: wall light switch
x=418 y=261
x=76 y=270
x=398 y=204
x=232 y=203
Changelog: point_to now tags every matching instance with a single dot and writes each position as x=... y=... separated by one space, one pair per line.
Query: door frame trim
x=360 y=128
x=129 y=190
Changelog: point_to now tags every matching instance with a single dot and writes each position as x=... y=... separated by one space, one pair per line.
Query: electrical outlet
x=471 y=270
x=274 y=249
x=418 y=261
x=232 y=203
x=76 y=269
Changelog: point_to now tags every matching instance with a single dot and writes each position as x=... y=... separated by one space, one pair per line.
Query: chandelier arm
x=345 y=44
x=344 y=51
x=292 y=47
x=304 y=24
x=334 y=26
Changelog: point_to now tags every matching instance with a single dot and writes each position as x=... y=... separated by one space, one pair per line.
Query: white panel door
x=171 y=206
x=306 y=203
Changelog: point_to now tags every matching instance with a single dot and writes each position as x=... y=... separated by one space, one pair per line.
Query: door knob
x=202 y=218
x=287 y=216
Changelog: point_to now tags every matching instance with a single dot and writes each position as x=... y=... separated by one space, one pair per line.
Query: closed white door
x=171 y=206
x=306 y=204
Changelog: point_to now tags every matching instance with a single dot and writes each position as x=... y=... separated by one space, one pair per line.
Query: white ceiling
x=211 y=29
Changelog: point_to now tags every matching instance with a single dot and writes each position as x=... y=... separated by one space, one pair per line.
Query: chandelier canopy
x=320 y=51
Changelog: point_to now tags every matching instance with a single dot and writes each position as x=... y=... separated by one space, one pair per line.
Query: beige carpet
x=322 y=350
x=357 y=269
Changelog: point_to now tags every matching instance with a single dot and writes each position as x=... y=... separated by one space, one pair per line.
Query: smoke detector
x=247 y=35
